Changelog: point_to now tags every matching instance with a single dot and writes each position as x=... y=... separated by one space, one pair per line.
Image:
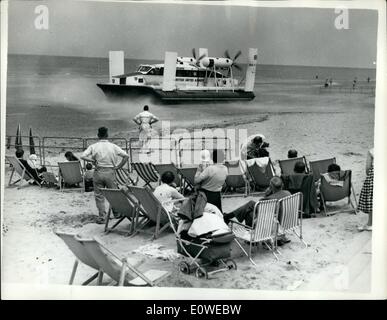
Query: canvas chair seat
x=121 y=271
x=20 y=169
x=287 y=165
x=331 y=193
x=164 y=167
x=319 y=167
x=70 y=174
x=147 y=172
x=261 y=179
x=236 y=178
x=123 y=204
x=187 y=178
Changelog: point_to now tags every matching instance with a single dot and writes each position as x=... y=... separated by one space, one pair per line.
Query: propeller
x=234 y=65
x=194 y=55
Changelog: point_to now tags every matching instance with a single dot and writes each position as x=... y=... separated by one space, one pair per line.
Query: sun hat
x=205 y=155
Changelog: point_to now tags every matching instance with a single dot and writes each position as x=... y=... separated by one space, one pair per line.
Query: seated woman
x=35 y=173
x=299 y=167
x=165 y=192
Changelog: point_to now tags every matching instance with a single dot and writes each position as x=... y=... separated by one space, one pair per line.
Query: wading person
x=144 y=120
x=105 y=156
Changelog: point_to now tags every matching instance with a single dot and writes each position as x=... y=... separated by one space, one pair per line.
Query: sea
x=57 y=95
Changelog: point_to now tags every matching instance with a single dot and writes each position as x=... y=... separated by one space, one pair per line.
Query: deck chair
x=265 y=228
x=261 y=180
x=147 y=172
x=70 y=173
x=123 y=178
x=330 y=193
x=120 y=270
x=122 y=204
x=290 y=215
x=287 y=165
x=161 y=168
x=153 y=209
x=319 y=167
x=236 y=178
x=49 y=179
x=81 y=255
x=19 y=168
x=187 y=176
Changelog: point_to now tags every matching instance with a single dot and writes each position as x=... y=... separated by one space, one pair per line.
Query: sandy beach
x=319 y=125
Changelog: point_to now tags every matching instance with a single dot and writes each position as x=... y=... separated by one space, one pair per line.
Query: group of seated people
x=210 y=178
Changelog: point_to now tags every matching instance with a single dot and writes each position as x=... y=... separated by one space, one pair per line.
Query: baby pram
x=206 y=254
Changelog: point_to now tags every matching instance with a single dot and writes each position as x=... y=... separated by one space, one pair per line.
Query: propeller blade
x=237 y=55
x=237 y=67
x=227 y=55
x=194 y=53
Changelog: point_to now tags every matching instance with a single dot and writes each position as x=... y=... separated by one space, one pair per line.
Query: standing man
x=145 y=120
x=105 y=156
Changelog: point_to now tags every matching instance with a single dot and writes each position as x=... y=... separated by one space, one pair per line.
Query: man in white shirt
x=105 y=156
x=145 y=120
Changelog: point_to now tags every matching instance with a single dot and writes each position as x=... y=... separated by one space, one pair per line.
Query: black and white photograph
x=182 y=147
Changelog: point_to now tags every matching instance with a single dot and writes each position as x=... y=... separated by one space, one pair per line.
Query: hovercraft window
x=122 y=80
x=140 y=80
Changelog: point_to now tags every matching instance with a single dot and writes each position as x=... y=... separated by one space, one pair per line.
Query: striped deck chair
x=147 y=172
x=161 y=168
x=152 y=208
x=120 y=270
x=287 y=165
x=261 y=180
x=70 y=173
x=290 y=215
x=123 y=178
x=124 y=205
x=187 y=176
x=330 y=193
x=236 y=178
x=319 y=167
x=265 y=228
x=81 y=255
x=19 y=168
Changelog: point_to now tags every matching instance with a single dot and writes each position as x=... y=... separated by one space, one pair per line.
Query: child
x=89 y=177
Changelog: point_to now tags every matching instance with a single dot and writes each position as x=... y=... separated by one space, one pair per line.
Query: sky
x=284 y=36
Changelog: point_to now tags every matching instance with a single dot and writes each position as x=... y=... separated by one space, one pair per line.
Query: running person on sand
x=145 y=120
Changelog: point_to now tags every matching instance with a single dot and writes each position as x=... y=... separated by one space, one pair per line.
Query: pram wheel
x=184 y=267
x=231 y=264
x=201 y=273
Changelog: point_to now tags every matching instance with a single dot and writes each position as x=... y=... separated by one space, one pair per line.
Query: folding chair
x=261 y=179
x=147 y=172
x=120 y=270
x=81 y=254
x=122 y=204
x=290 y=215
x=187 y=176
x=70 y=173
x=287 y=165
x=161 y=168
x=319 y=167
x=236 y=178
x=152 y=207
x=330 y=193
x=19 y=168
x=49 y=179
x=265 y=228
x=123 y=178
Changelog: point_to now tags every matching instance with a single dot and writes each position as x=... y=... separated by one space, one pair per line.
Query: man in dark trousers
x=106 y=158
